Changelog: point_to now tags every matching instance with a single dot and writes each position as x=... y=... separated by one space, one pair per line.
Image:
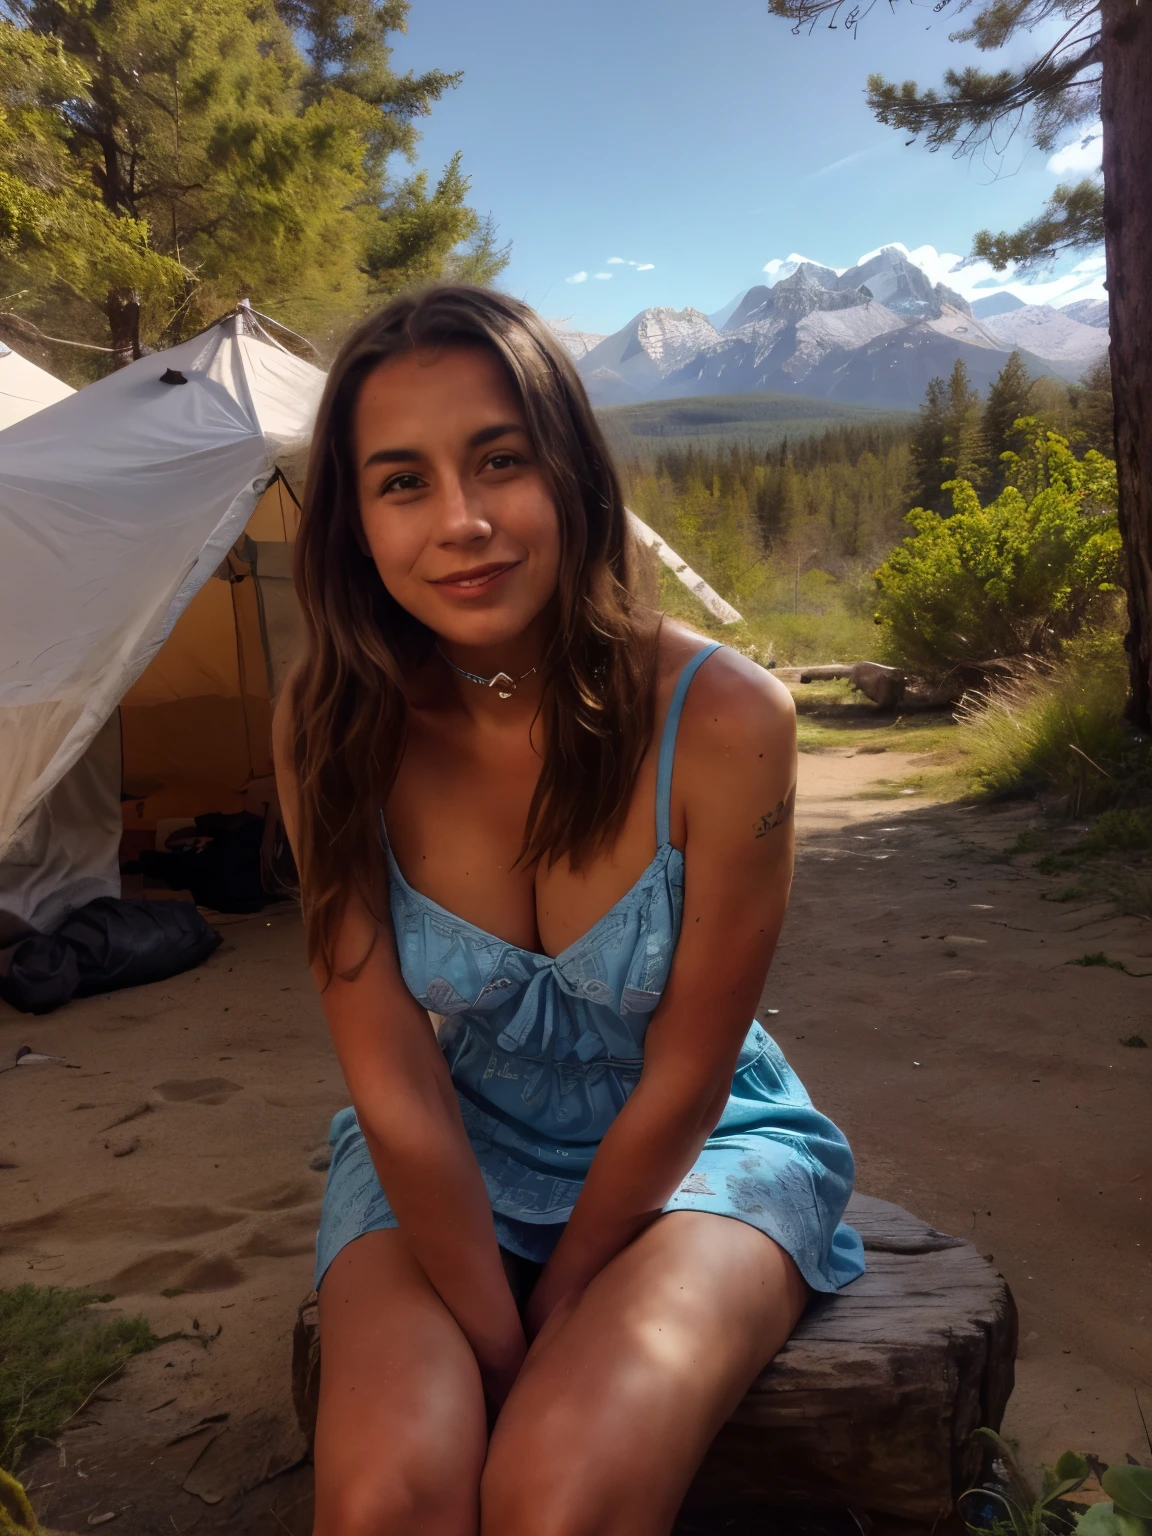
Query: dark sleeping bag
x=107 y=944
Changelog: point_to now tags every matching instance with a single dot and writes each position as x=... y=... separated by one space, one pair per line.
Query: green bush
x=1120 y=831
x=1059 y=729
x=1010 y=579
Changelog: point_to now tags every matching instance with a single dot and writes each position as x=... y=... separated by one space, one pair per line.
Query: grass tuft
x=1060 y=731
x=1098 y=957
x=54 y=1353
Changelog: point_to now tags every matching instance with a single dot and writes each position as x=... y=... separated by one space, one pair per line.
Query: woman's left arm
x=735 y=777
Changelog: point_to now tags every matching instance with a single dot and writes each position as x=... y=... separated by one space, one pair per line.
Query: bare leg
x=401 y=1432
x=606 y=1426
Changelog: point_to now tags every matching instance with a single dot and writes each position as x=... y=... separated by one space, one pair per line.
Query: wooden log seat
x=872 y=1402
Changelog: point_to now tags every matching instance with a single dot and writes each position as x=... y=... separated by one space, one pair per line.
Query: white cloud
x=603 y=277
x=645 y=266
x=979 y=279
x=577 y=277
x=1083 y=154
x=618 y=261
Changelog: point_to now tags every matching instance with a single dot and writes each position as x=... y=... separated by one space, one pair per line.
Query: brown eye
x=402 y=483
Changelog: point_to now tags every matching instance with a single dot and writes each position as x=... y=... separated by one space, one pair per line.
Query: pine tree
x=1098 y=65
x=929 y=470
x=964 y=450
x=1007 y=401
x=162 y=161
x=1092 y=409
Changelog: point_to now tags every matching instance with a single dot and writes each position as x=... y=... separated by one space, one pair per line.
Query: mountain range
x=872 y=335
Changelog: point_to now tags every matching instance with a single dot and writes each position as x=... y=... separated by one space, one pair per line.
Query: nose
x=460 y=512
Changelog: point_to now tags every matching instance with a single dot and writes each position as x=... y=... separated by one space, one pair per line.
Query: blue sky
x=697 y=140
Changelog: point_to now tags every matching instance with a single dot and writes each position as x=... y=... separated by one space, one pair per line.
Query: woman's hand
x=736 y=779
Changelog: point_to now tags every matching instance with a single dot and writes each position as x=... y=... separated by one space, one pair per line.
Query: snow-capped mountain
x=874 y=333
x=1088 y=312
x=633 y=363
x=896 y=281
x=577 y=344
x=778 y=335
x=1051 y=334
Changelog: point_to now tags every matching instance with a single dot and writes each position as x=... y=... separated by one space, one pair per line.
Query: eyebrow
x=412 y=455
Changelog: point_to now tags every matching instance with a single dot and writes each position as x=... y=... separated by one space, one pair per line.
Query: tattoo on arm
x=773 y=819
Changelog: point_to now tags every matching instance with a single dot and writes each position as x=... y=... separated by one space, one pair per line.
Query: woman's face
x=455 y=508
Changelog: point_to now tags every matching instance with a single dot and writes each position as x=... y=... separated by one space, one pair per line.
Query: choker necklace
x=504 y=685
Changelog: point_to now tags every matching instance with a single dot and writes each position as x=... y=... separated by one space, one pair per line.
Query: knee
x=543 y=1492
x=394 y=1502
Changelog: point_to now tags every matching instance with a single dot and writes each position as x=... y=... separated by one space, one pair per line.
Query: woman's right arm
x=407 y=1109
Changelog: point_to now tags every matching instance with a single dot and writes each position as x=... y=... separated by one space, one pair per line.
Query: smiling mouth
x=478 y=576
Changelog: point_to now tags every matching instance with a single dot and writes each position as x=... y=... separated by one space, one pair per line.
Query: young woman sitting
x=545 y=846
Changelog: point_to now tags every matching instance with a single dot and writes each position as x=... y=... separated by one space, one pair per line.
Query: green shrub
x=53 y=1356
x=1010 y=579
x=1059 y=729
x=1120 y=831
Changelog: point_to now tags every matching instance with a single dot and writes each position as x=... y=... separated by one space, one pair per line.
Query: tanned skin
x=441 y=1413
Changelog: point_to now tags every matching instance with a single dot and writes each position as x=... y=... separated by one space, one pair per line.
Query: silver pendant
x=504 y=685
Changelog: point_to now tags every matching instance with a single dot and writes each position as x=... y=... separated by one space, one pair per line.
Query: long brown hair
x=348 y=694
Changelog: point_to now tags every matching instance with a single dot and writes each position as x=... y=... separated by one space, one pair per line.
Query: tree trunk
x=1126 y=110
x=124 y=323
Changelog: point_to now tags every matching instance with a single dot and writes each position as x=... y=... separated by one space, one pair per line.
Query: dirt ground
x=922 y=990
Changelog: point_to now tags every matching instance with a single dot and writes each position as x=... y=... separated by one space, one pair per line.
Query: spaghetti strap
x=668 y=745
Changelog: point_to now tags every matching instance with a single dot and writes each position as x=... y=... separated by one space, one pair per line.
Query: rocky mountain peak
x=792 y=298
x=902 y=286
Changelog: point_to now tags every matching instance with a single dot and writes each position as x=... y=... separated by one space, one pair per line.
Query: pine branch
x=1072 y=219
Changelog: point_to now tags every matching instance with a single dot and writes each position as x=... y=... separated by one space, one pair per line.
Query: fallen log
x=872 y=1402
x=889 y=687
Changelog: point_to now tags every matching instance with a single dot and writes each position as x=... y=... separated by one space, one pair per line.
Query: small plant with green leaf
x=1130 y=1512
x=1016 y=1506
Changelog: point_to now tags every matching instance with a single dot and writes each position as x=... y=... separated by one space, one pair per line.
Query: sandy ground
x=923 y=993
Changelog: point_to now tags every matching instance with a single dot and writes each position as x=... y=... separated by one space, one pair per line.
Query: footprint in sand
x=94 y=1218
x=293 y=1234
x=276 y=1197
x=197 y=1090
x=178 y=1269
x=216 y=1272
x=293 y=1231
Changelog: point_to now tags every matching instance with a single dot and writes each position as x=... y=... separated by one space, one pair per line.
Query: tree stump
x=872 y=1402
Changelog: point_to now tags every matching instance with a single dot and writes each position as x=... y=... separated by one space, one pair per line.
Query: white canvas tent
x=118 y=506
x=25 y=388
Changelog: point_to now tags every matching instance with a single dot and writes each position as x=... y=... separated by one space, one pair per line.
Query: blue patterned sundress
x=544 y=1051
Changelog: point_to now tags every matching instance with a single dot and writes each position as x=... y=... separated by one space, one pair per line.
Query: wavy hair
x=348 y=693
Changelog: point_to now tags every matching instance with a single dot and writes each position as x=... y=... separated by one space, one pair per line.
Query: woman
x=524 y=806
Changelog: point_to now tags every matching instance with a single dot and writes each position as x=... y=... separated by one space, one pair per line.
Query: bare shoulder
x=733 y=707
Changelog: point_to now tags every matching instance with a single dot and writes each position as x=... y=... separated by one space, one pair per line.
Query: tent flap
x=117 y=504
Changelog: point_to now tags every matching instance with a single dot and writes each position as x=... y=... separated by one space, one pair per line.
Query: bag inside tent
x=187 y=742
